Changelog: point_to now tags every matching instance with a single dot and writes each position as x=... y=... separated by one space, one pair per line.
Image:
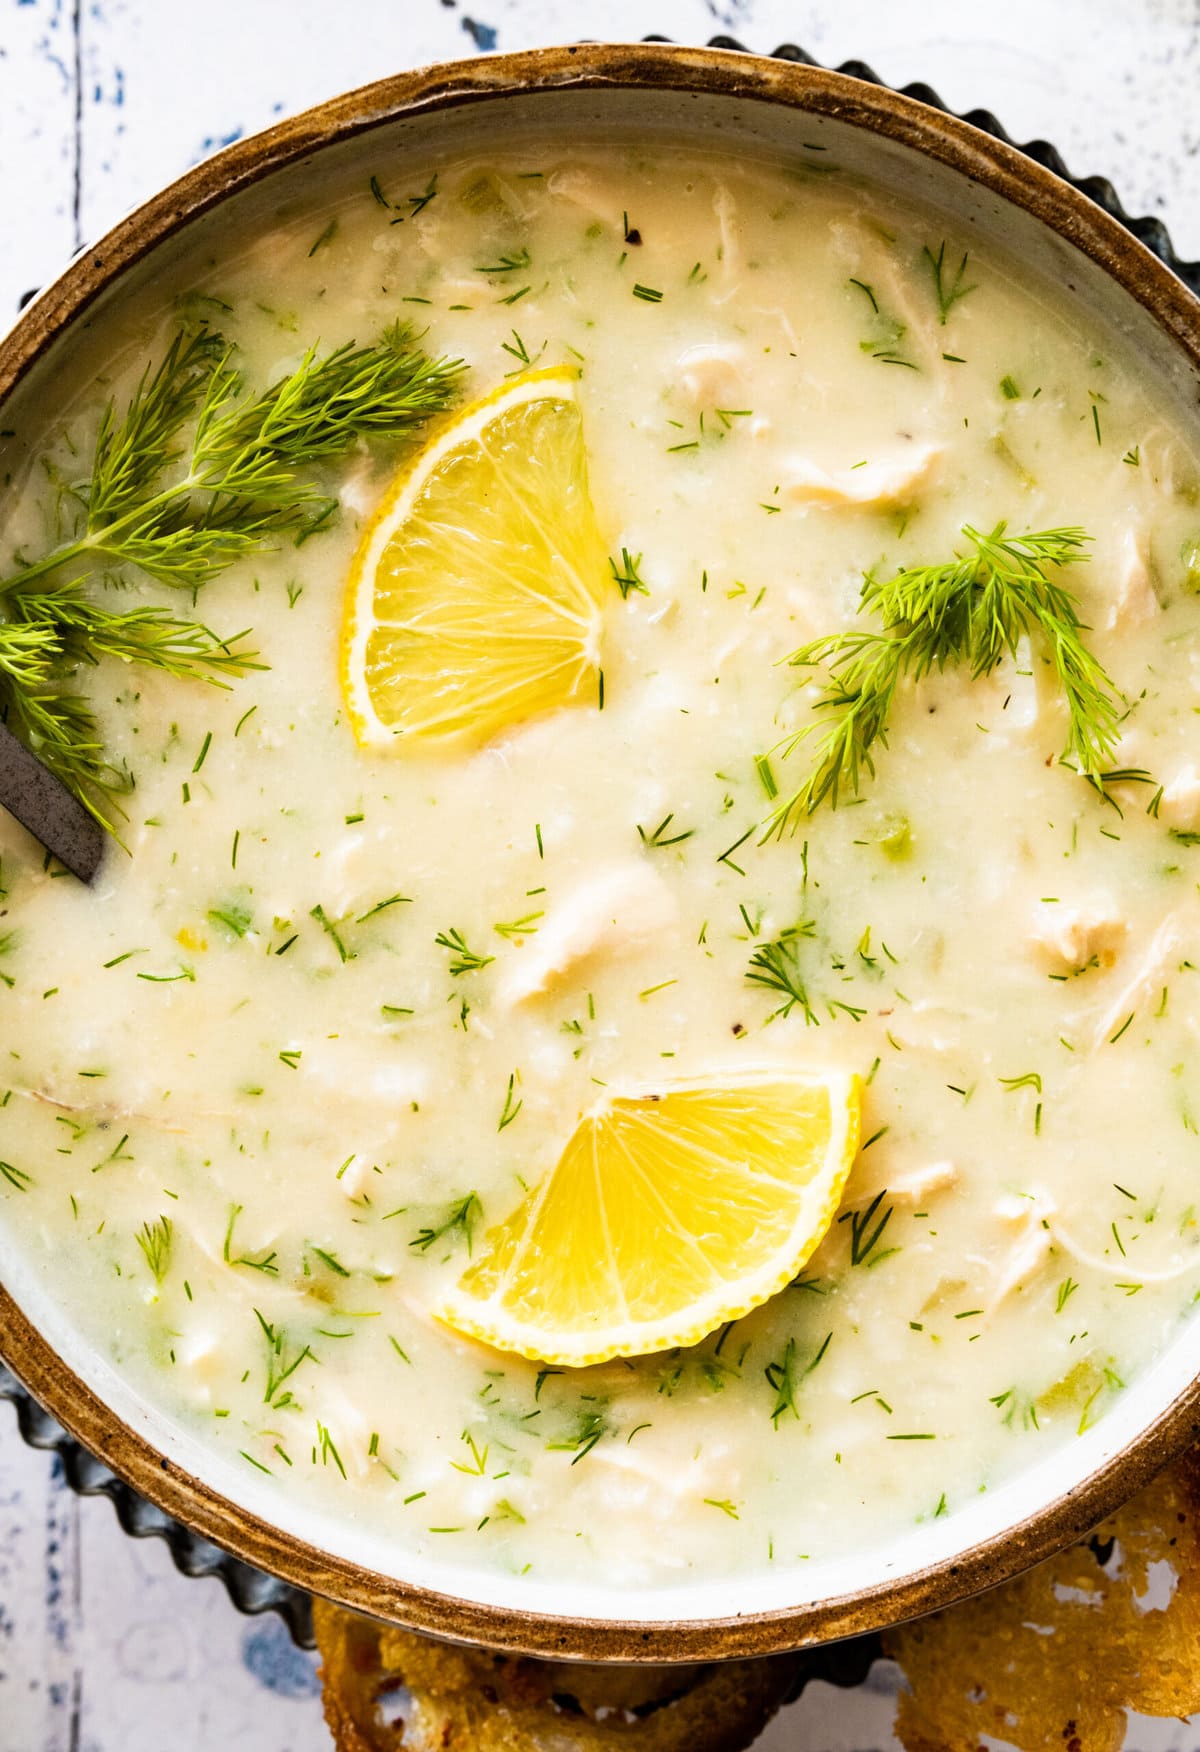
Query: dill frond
x=156 y=1241
x=948 y=287
x=56 y=629
x=776 y=965
x=627 y=576
x=179 y=509
x=974 y=610
x=459 y=1221
x=133 y=450
x=463 y=959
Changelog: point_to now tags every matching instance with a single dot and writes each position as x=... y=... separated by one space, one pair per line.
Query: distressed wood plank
x=38 y=99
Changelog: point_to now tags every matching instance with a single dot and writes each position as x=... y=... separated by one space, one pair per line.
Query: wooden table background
x=103 y=1647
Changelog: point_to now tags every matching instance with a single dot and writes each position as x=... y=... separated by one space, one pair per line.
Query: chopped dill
x=776 y=965
x=627 y=576
x=515 y=263
x=518 y=928
x=782 y=1379
x=265 y=1264
x=511 y=1107
x=330 y=928
x=659 y=837
x=462 y=958
x=155 y=1241
x=948 y=289
x=458 y=1223
x=863 y=1238
x=280 y=1367
x=382 y=906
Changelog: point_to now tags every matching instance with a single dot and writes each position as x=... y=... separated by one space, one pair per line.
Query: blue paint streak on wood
x=279 y=1666
x=482 y=35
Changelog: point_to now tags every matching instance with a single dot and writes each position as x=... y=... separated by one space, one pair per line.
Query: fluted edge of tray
x=1147 y=228
x=250 y=1590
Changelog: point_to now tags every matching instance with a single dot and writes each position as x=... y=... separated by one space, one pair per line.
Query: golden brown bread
x=470 y=1700
x=1051 y=1661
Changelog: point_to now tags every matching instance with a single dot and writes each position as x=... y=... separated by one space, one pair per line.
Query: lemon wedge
x=474 y=599
x=666 y=1215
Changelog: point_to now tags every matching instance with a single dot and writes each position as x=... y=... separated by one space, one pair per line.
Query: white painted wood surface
x=103 y=1647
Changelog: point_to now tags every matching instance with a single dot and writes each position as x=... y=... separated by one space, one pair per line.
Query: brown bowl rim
x=1003 y=170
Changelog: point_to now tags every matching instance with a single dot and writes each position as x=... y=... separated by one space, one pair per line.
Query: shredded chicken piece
x=583 y=188
x=106 y=1114
x=912 y=1188
x=929 y=1027
x=1070 y=938
x=632 y=1477
x=711 y=374
x=202 y=1355
x=611 y=914
x=870 y=259
x=1134 y=601
x=1015 y=1207
x=729 y=231
x=1150 y=974
x=1179 y=805
x=1031 y=1247
x=885 y=481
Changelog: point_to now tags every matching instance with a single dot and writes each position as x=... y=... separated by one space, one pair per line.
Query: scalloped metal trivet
x=846 y=1663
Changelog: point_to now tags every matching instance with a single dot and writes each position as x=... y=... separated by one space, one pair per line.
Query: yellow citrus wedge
x=666 y=1215
x=474 y=598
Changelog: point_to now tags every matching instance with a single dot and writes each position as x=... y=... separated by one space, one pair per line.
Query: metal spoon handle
x=43 y=805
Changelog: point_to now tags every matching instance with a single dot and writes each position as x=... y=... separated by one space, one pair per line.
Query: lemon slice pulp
x=474 y=599
x=665 y=1216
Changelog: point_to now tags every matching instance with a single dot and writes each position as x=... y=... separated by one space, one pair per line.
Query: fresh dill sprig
x=975 y=609
x=459 y=1221
x=462 y=958
x=947 y=289
x=156 y=1241
x=776 y=965
x=195 y=472
x=240 y=487
x=54 y=629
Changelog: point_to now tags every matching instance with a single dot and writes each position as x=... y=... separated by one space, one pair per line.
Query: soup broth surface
x=249 y=1026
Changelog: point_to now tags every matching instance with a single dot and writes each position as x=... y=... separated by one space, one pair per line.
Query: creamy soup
x=258 y=1111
